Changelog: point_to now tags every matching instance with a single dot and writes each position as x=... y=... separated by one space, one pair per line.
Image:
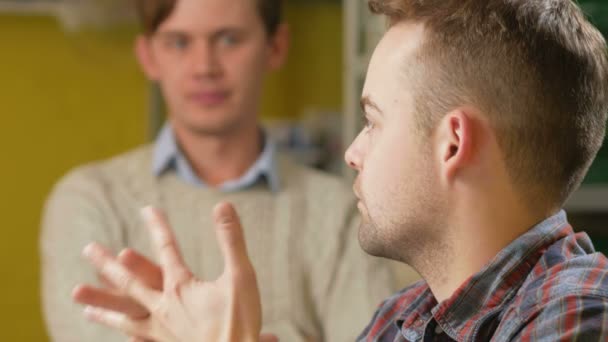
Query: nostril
x=351 y=163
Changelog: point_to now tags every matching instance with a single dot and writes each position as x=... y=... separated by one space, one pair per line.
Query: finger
x=105 y=282
x=116 y=273
x=118 y=321
x=144 y=269
x=110 y=300
x=230 y=238
x=268 y=338
x=172 y=265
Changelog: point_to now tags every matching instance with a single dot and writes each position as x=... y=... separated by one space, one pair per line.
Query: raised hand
x=187 y=309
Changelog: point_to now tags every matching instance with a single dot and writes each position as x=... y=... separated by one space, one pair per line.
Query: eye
x=228 y=39
x=369 y=125
x=178 y=42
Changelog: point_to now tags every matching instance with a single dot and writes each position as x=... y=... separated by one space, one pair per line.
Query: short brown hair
x=537 y=68
x=152 y=13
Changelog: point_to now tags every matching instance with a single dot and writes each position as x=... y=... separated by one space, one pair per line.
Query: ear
x=279 y=47
x=455 y=136
x=145 y=57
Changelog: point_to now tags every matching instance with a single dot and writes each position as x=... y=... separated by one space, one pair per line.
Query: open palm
x=187 y=309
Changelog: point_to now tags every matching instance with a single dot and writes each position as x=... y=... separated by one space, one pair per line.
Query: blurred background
x=71 y=93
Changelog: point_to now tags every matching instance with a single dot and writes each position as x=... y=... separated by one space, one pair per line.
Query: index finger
x=170 y=259
x=231 y=238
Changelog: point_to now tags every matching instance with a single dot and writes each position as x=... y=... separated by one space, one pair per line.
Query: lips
x=209 y=98
x=355 y=187
x=356 y=193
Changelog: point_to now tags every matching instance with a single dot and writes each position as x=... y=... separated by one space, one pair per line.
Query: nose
x=204 y=61
x=354 y=156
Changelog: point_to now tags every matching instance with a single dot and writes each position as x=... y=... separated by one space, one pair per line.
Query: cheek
x=172 y=73
x=173 y=88
x=379 y=174
x=389 y=170
x=245 y=64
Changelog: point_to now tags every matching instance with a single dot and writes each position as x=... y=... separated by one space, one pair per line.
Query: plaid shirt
x=547 y=285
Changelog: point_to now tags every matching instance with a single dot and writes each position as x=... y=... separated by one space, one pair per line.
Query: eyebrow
x=367 y=102
x=214 y=34
x=228 y=30
x=171 y=34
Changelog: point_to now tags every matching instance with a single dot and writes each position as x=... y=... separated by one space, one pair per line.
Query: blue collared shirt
x=168 y=156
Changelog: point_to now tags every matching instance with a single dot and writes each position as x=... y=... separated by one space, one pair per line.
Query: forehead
x=394 y=54
x=211 y=15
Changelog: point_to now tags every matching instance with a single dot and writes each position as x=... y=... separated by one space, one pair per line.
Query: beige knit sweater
x=315 y=281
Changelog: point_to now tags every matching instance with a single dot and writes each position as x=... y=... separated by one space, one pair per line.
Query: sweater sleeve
x=75 y=214
x=353 y=283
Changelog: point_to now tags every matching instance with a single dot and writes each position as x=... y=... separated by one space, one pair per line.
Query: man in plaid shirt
x=503 y=106
x=483 y=116
x=504 y=103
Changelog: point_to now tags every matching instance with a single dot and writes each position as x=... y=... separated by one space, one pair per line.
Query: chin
x=370 y=241
x=212 y=126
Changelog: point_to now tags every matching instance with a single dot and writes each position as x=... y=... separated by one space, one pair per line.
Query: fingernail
x=76 y=290
x=147 y=213
x=89 y=250
x=123 y=254
x=223 y=212
x=90 y=312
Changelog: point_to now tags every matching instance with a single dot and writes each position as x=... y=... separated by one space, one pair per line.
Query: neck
x=476 y=231
x=220 y=158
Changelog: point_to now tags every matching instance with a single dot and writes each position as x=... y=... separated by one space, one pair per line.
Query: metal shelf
x=362 y=31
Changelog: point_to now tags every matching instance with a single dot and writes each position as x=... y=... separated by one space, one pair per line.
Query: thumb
x=230 y=237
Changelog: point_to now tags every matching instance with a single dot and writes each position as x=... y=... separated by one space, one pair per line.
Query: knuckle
x=244 y=275
x=124 y=282
x=173 y=290
x=161 y=310
x=158 y=309
x=183 y=276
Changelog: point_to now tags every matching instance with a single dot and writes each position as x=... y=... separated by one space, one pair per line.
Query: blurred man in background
x=210 y=58
x=483 y=118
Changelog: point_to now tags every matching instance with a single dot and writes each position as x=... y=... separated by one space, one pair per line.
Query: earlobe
x=279 y=47
x=144 y=56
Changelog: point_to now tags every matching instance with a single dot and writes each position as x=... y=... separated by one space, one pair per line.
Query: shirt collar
x=487 y=291
x=168 y=156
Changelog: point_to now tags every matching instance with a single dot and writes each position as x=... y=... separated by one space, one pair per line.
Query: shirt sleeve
x=569 y=318
x=73 y=217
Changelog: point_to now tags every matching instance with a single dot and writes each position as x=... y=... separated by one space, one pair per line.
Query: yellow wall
x=65 y=100
x=69 y=99
x=312 y=77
